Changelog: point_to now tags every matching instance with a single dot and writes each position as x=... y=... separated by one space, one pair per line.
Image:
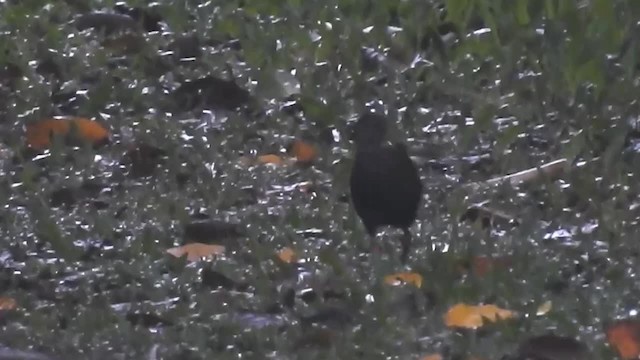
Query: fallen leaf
x=397 y=279
x=624 y=337
x=270 y=159
x=473 y=317
x=433 y=357
x=287 y=255
x=544 y=308
x=196 y=251
x=39 y=133
x=303 y=152
x=7 y=303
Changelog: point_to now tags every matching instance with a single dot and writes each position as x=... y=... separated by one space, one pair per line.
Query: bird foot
x=405 y=241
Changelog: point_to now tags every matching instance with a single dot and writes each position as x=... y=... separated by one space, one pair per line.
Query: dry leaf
x=7 y=303
x=433 y=357
x=544 y=308
x=624 y=337
x=270 y=159
x=397 y=279
x=473 y=317
x=196 y=251
x=287 y=255
x=39 y=134
x=303 y=152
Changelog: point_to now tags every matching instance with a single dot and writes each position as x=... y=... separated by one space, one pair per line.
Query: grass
x=92 y=279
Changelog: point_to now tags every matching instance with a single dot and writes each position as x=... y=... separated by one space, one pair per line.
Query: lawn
x=131 y=130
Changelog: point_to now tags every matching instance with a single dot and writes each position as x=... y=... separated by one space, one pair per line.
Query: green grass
x=92 y=280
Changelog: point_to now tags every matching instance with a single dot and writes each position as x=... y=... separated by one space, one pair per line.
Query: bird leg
x=405 y=241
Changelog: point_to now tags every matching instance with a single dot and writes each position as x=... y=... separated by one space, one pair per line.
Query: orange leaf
x=39 y=133
x=473 y=317
x=270 y=159
x=287 y=255
x=414 y=279
x=432 y=357
x=7 y=303
x=304 y=152
x=196 y=251
x=624 y=336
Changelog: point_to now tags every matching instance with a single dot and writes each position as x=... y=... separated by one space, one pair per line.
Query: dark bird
x=385 y=186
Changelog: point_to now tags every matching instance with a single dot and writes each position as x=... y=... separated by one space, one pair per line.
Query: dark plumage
x=385 y=186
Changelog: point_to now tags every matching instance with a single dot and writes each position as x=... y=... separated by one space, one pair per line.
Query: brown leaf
x=432 y=357
x=397 y=279
x=7 y=303
x=39 y=134
x=473 y=317
x=270 y=159
x=196 y=251
x=287 y=255
x=304 y=152
x=624 y=337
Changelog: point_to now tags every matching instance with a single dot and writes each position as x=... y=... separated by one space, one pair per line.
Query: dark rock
x=552 y=347
x=149 y=17
x=210 y=91
x=211 y=231
x=144 y=159
x=106 y=22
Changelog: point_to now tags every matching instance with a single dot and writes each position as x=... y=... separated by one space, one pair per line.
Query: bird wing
x=404 y=172
x=383 y=180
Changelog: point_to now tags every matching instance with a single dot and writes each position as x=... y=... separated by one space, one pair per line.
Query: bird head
x=370 y=130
